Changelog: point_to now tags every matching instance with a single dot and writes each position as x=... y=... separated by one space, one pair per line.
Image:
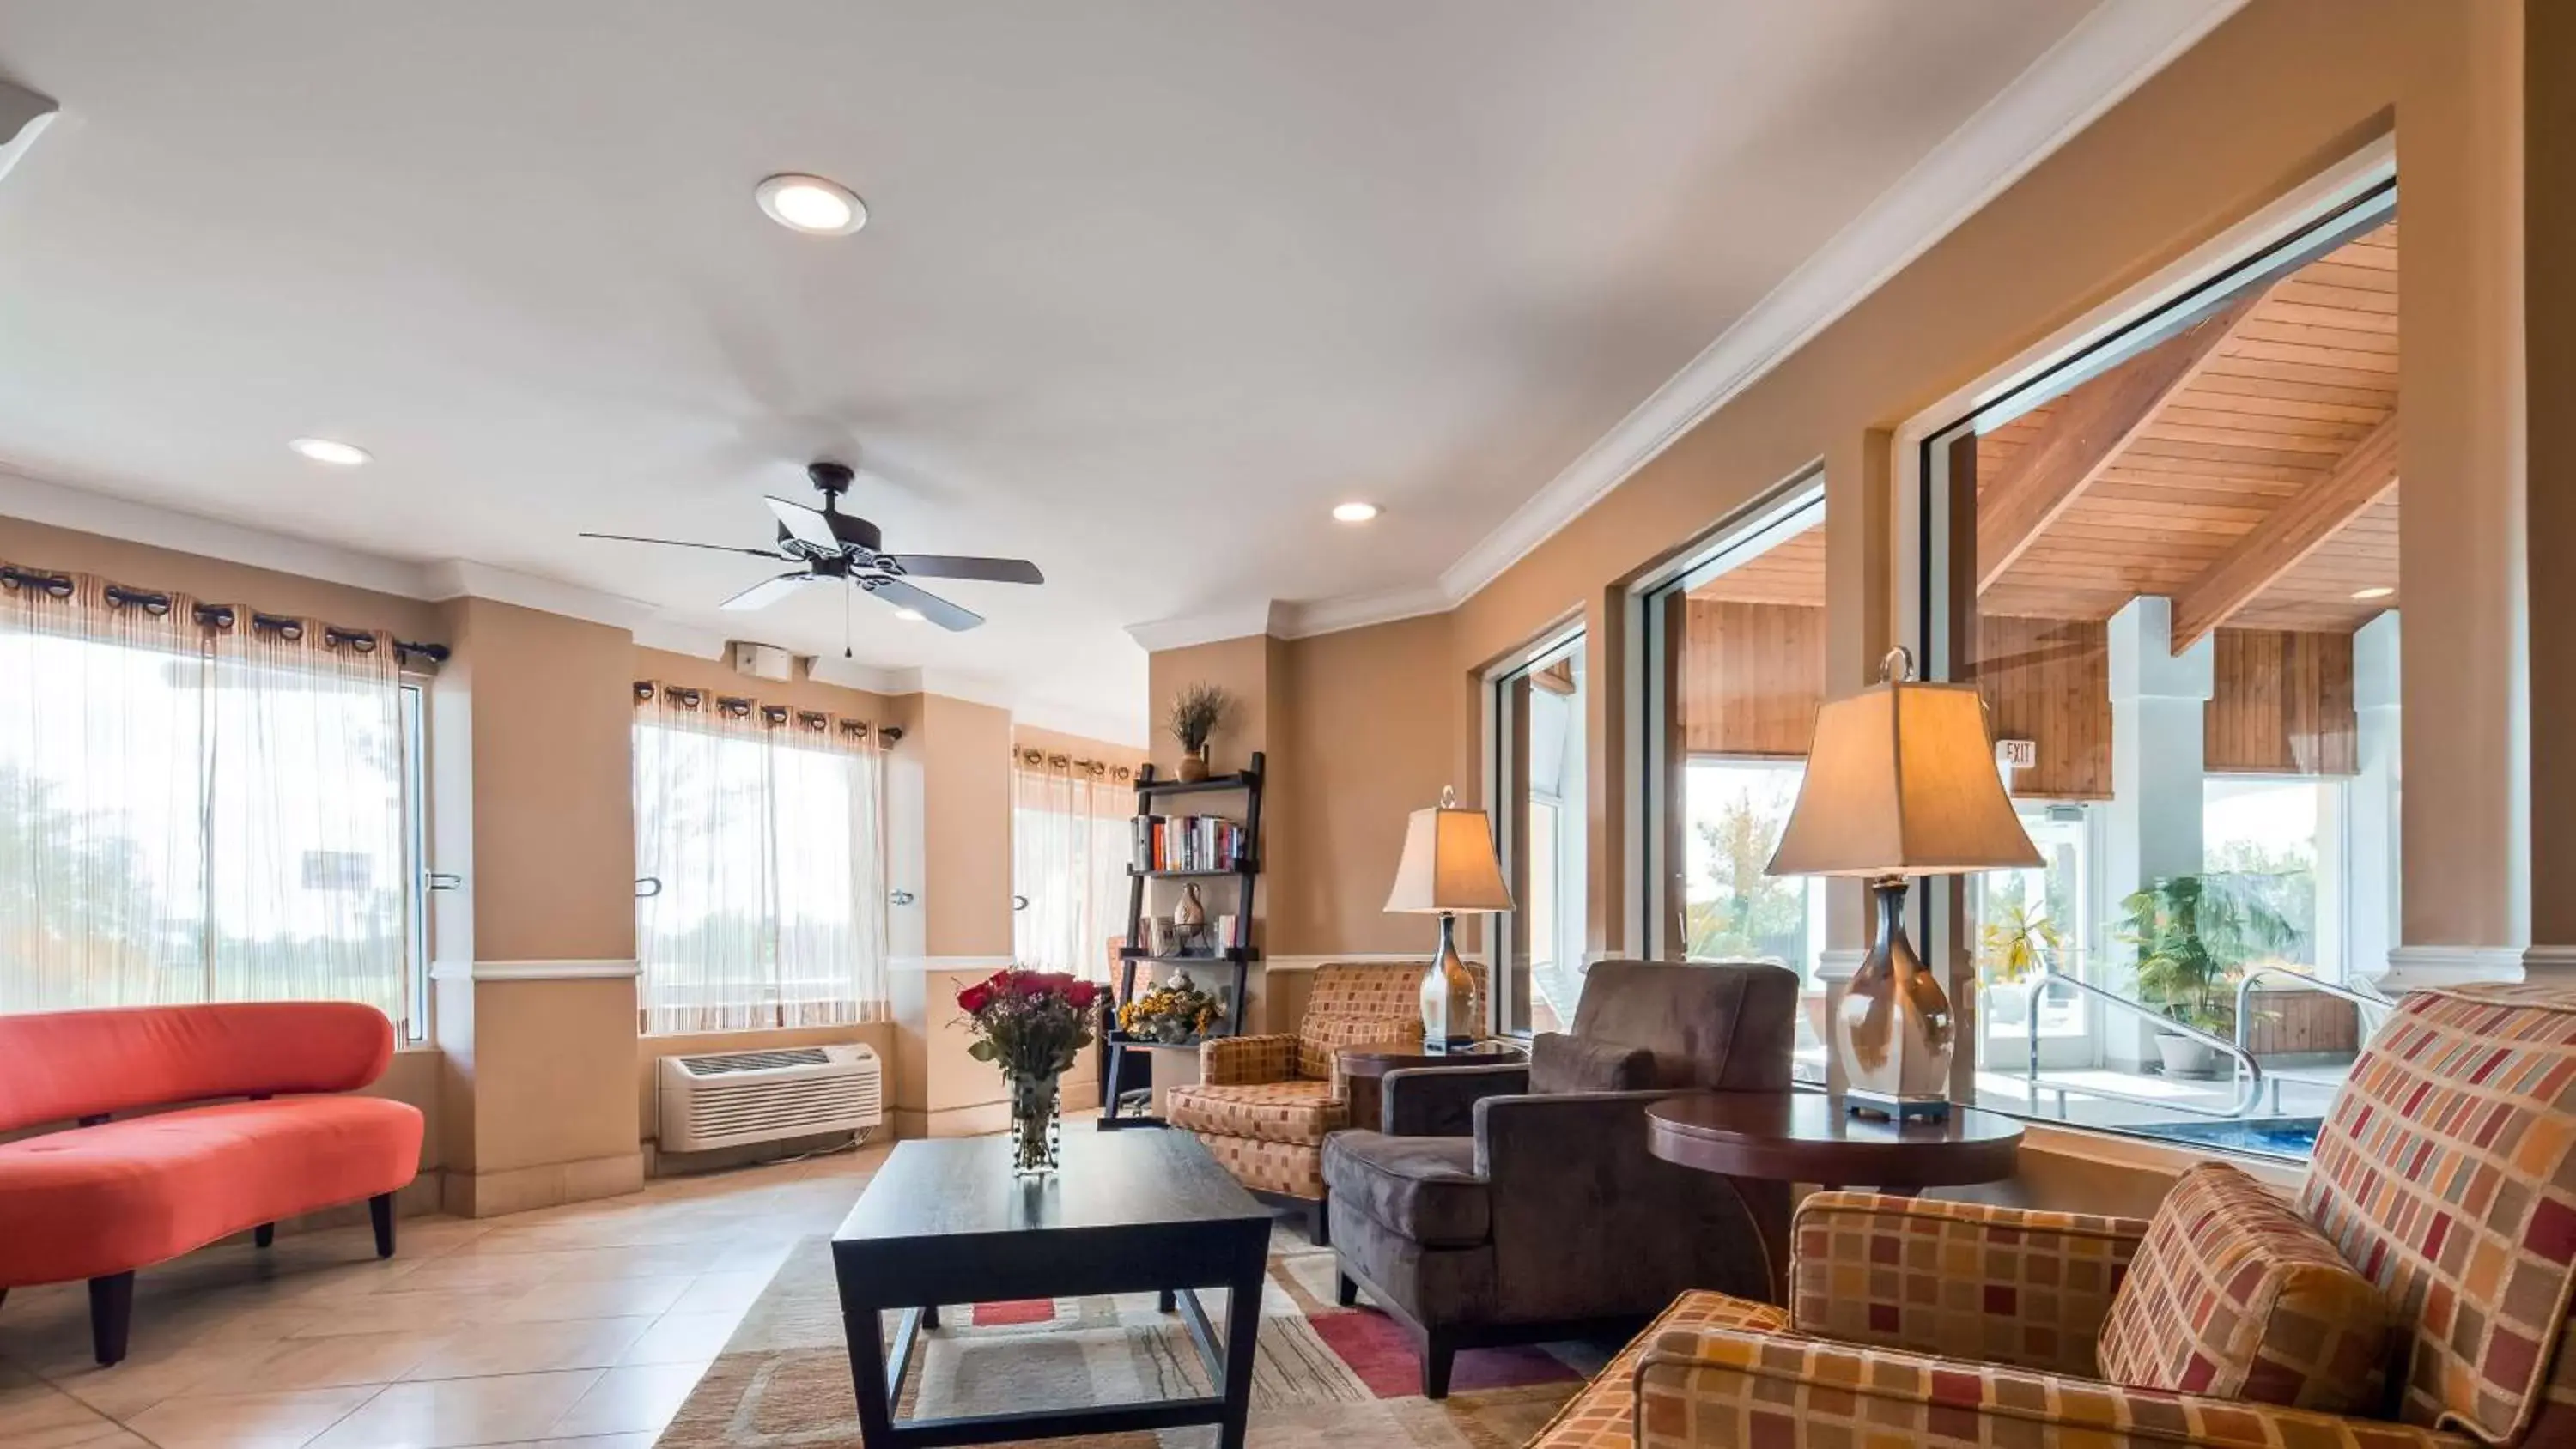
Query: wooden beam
x=2286 y=535
x=2092 y=423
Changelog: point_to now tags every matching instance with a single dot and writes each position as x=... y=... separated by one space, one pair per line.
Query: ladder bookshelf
x=1234 y=955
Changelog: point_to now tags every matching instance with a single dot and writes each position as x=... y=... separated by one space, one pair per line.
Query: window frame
x=1502 y=744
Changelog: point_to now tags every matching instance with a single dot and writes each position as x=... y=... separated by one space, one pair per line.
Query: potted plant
x=2012 y=947
x=2193 y=935
x=1033 y=1025
x=1197 y=711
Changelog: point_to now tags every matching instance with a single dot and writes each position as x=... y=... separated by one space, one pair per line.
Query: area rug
x=1327 y=1377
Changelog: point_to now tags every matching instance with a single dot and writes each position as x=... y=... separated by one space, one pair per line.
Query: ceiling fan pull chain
x=845 y=620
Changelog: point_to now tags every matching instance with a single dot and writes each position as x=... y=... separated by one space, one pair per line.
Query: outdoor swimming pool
x=2290 y=1137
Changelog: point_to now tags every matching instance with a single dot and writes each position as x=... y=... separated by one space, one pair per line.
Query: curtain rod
x=743 y=706
x=1034 y=758
x=215 y=616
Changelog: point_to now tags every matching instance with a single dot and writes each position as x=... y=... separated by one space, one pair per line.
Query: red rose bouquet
x=1033 y=1025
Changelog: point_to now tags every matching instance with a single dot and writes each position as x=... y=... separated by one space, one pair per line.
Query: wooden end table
x=1364 y=1069
x=1809 y=1137
x=943 y=1221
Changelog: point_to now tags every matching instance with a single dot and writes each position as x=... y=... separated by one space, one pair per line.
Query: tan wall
x=1373 y=730
x=2277 y=93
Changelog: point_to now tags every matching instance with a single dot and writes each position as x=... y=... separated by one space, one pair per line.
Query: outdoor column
x=2153 y=820
x=2370 y=822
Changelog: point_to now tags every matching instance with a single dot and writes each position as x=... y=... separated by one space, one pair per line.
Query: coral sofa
x=2439 y=1214
x=105 y=1197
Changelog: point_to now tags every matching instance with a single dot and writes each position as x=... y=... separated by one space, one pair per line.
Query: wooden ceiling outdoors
x=2244 y=469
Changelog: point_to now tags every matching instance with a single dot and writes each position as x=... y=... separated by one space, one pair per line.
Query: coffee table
x=944 y=1222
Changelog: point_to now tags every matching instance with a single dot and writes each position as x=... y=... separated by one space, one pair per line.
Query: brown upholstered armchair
x=1510 y=1204
x=1264 y=1104
x=2415 y=1295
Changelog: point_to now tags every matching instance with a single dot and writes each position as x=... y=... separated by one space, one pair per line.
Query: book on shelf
x=1189 y=842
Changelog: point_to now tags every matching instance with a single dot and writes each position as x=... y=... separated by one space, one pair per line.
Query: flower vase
x=1037 y=1124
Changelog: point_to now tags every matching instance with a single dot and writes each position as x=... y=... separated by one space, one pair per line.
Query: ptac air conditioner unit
x=729 y=1098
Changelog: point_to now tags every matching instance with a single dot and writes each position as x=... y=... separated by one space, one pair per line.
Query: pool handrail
x=2249 y=1073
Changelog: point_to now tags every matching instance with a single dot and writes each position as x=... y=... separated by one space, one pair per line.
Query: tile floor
x=576 y=1326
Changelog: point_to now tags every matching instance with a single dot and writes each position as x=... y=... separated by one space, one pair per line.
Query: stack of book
x=1189 y=842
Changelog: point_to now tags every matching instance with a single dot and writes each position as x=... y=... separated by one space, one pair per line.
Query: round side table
x=1809 y=1137
x=1365 y=1066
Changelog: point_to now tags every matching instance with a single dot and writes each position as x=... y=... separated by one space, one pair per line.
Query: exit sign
x=2016 y=754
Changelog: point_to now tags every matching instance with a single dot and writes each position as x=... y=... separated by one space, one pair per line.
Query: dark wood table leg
x=861 y=1327
x=1242 y=1330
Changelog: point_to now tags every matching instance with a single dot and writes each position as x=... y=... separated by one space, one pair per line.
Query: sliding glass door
x=1540 y=828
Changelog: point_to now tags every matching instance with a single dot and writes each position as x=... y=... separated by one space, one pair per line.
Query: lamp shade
x=1901 y=780
x=1448 y=863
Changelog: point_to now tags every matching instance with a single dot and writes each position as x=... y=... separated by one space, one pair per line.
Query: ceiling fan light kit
x=832 y=545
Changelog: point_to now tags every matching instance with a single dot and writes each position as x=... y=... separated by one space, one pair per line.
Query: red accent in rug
x=1379 y=1350
x=1020 y=1310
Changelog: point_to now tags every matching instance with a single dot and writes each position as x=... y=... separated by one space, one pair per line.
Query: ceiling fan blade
x=767 y=592
x=684 y=543
x=806 y=525
x=929 y=606
x=958 y=566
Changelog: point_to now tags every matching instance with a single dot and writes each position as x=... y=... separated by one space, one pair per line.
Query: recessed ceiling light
x=909 y=616
x=324 y=450
x=812 y=205
x=2377 y=591
x=1354 y=512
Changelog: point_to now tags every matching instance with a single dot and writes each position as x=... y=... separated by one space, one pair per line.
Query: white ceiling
x=1145 y=289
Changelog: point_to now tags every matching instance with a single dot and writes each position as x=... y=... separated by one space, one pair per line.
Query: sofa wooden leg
x=111 y=1312
x=1318 y=1224
x=1167 y=1299
x=930 y=1315
x=1437 y=1351
x=263 y=1235
x=1345 y=1292
x=380 y=1213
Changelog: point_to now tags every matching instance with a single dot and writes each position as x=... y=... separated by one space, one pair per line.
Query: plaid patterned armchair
x=1264 y=1104
x=2444 y=1186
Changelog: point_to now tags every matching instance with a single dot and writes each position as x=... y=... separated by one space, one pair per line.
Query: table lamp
x=1448 y=867
x=1900 y=782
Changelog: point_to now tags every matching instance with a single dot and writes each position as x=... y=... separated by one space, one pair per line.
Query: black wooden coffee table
x=944 y=1222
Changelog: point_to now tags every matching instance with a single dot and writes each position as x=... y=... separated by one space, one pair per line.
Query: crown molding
x=457 y=578
x=24 y=115
x=2106 y=56
x=1355 y=611
x=1234 y=621
x=851 y=674
x=674 y=638
x=83 y=511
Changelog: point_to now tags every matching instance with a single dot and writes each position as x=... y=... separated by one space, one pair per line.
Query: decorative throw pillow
x=2235 y=1296
x=1561 y=1063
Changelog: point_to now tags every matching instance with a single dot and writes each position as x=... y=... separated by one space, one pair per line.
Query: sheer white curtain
x=193 y=813
x=765 y=830
x=1070 y=845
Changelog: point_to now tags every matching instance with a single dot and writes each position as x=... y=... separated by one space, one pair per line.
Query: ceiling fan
x=832 y=545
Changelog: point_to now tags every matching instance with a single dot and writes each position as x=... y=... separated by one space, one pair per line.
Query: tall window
x=1539 y=755
x=199 y=803
x=1070 y=845
x=760 y=834
x=2171 y=567
x=1735 y=653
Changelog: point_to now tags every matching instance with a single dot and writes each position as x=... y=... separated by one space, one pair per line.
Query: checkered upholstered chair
x=2444 y=1186
x=1263 y=1104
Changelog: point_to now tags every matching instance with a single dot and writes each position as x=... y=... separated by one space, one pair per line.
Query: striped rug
x=1327 y=1377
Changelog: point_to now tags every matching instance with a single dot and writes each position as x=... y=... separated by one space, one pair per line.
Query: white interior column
x=2154 y=816
x=2371 y=902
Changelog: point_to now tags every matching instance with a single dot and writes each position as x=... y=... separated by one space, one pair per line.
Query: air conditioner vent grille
x=730 y=1099
x=723 y=1062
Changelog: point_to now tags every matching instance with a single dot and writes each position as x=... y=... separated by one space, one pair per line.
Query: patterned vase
x=1037 y=1123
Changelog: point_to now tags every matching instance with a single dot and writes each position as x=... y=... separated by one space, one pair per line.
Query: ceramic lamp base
x=1448 y=997
x=1893 y=1031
